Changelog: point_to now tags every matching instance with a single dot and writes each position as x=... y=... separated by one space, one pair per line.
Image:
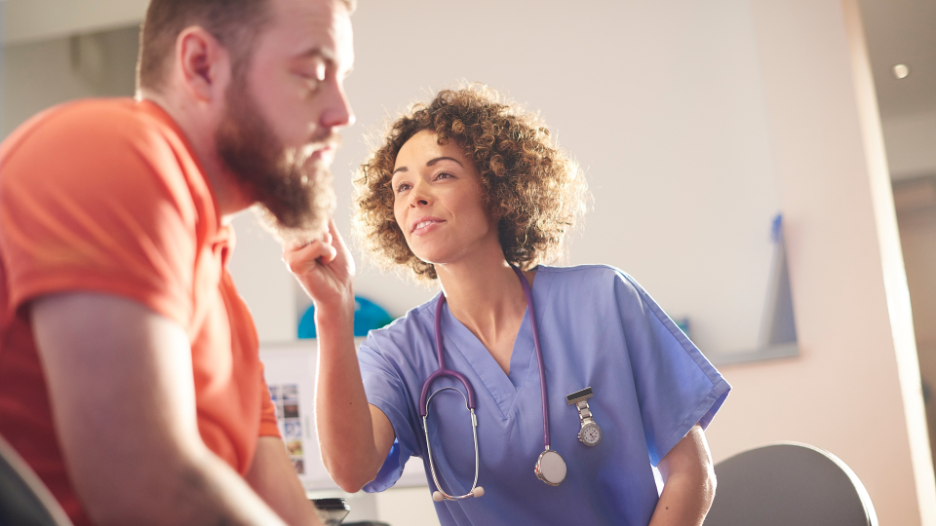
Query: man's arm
x=274 y=479
x=123 y=401
x=689 y=482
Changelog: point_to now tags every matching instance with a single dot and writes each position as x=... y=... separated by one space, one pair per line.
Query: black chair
x=24 y=499
x=789 y=484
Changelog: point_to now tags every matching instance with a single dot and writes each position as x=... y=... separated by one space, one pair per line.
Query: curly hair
x=532 y=189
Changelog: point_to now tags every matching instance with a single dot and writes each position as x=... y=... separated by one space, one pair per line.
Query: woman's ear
x=204 y=64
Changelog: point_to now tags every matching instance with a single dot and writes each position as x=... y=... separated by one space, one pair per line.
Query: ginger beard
x=293 y=192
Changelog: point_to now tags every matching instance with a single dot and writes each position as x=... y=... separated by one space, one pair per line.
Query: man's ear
x=204 y=64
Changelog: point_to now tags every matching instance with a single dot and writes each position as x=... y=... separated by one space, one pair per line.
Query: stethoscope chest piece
x=550 y=467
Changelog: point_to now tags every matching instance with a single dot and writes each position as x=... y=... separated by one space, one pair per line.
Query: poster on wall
x=289 y=420
x=289 y=370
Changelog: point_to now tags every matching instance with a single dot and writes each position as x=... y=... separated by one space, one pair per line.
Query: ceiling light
x=901 y=71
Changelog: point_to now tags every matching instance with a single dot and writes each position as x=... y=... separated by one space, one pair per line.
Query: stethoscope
x=550 y=466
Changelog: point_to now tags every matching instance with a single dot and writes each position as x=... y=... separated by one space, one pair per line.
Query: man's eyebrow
x=430 y=163
x=322 y=52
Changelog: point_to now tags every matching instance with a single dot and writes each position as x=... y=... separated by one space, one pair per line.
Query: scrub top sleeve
x=676 y=385
x=387 y=391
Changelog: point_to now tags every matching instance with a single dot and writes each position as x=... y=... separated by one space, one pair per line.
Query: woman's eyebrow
x=430 y=163
x=437 y=159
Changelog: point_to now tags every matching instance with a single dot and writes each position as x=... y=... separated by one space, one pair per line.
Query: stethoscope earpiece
x=437 y=496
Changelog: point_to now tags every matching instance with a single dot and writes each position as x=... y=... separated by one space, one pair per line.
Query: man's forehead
x=313 y=27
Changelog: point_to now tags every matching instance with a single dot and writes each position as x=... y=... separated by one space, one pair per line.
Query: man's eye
x=312 y=76
x=312 y=81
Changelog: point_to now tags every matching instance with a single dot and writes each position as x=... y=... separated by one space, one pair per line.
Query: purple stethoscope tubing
x=539 y=354
x=442 y=371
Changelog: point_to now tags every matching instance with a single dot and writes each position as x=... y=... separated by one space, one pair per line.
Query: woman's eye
x=444 y=175
x=401 y=187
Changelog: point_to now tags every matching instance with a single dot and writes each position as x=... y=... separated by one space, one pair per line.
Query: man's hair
x=235 y=23
x=532 y=189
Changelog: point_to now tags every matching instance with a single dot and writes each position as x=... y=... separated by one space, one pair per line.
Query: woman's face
x=438 y=201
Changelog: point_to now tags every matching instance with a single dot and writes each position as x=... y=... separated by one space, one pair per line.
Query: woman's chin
x=434 y=255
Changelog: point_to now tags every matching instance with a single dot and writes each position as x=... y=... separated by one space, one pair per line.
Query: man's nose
x=338 y=112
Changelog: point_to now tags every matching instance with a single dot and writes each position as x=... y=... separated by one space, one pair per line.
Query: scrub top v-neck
x=598 y=328
x=503 y=387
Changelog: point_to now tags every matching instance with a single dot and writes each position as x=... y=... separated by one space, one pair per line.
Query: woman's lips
x=426 y=225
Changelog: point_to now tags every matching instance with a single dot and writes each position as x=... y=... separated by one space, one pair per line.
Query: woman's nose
x=419 y=196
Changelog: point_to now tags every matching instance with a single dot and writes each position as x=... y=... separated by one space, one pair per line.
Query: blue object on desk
x=367 y=316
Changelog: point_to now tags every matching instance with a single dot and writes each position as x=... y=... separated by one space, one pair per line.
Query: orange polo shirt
x=107 y=196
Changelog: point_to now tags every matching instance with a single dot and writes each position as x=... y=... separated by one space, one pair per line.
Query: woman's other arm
x=355 y=437
x=689 y=482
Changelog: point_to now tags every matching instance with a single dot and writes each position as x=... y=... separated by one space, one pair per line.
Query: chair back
x=789 y=483
x=24 y=499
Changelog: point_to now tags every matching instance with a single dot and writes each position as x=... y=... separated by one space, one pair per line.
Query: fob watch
x=590 y=433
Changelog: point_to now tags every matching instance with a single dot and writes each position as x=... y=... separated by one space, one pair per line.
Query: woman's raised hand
x=325 y=269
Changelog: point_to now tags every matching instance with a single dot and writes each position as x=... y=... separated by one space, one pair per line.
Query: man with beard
x=129 y=371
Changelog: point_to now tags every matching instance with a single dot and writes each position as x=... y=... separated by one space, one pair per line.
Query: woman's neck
x=485 y=294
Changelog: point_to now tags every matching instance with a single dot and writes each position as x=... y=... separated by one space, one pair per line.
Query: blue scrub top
x=598 y=328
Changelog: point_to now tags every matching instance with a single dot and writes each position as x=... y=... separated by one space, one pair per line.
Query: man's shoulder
x=101 y=147
x=98 y=128
x=119 y=158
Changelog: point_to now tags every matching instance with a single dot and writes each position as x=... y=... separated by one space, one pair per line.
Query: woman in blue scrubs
x=462 y=191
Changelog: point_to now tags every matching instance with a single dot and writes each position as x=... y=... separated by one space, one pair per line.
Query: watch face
x=590 y=434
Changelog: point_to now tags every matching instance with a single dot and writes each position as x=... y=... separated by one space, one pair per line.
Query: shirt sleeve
x=676 y=385
x=98 y=204
x=386 y=389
